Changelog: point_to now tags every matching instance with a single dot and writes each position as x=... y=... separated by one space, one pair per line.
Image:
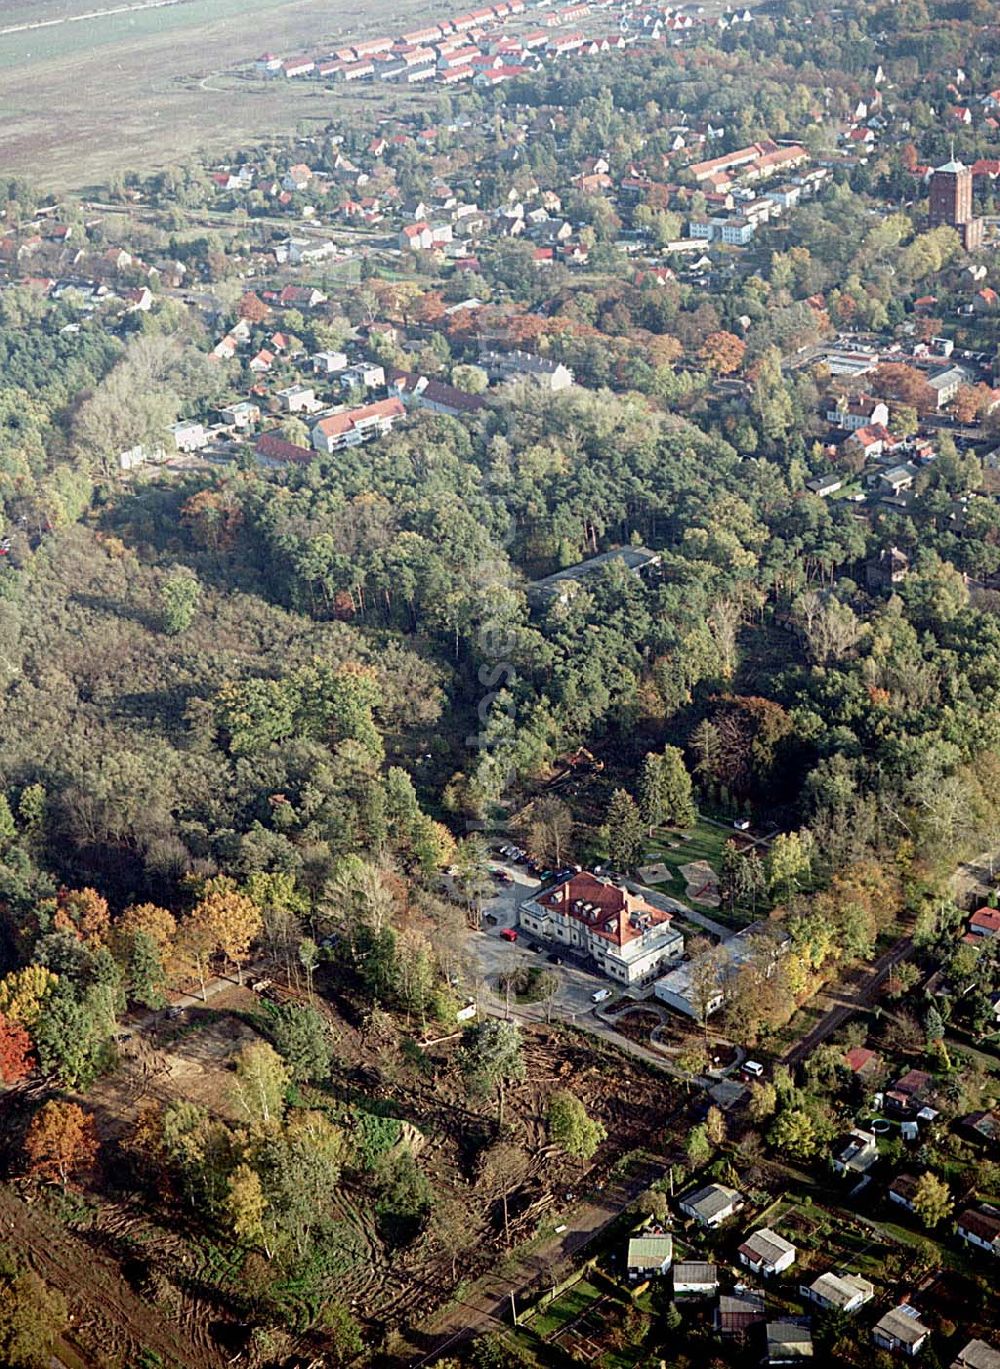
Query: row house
x=356 y=426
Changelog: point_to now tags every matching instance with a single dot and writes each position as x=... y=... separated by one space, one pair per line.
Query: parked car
x=554 y=959
x=491 y=918
x=502 y=877
x=509 y=934
x=601 y=996
x=753 y=1067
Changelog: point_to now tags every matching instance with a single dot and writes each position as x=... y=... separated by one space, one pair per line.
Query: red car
x=509 y=934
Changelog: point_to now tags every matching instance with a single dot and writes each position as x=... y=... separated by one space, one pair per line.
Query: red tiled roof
x=858 y=1058
x=913 y=1081
x=276 y=448
x=988 y=919
x=610 y=907
x=337 y=424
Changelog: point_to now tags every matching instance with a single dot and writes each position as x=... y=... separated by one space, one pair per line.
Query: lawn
x=704 y=841
x=566 y=1308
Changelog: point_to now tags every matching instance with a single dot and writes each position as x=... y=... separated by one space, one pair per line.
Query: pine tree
x=623 y=831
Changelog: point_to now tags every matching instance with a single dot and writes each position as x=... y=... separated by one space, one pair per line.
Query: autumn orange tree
x=61 y=1142
x=232 y=922
x=83 y=913
x=15 y=1051
x=723 y=352
x=971 y=402
x=151 y=920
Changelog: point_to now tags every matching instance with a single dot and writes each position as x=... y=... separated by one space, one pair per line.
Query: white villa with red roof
x=630 y=940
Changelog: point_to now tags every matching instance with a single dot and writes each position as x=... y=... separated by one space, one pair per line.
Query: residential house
x=138 y=300
x=980 y=1226
x=908 y=1092
x=977 y=1355
x=352 y=427
x=712 y=1205
x=517 y=365
x=629 y=938
x=738 y=1313
x=767 y=1253
x=694 y=1279
x=985 y=922
x=897 y=479
x=297 y=177
x=856 y=1153
x=649 y=1255
x=869 y=440
x=857 y=411
x=416 y=237
x=825 y=485
x=900 y=1330
x=328 y=363
x=843 y=1292
x=301 y=297
x=419 y=392
x=984 y=1126
x=189 y=435
x=262 y=362
x=788 y=1342
x=271 y=449
x=298 y=399
x=945 y=384
x=364 y=375
x=902 y=1191
x=890 y=567
x=242 y=415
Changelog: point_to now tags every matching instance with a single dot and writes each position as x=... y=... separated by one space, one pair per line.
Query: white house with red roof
x=355 y=426
x=630 y=940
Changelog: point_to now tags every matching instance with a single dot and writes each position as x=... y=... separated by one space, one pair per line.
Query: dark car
x=554 y=959
x=502 y=877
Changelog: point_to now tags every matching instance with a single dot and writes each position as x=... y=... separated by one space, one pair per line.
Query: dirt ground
x=188 y=1060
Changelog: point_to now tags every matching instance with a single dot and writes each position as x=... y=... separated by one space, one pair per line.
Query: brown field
x=140 y=92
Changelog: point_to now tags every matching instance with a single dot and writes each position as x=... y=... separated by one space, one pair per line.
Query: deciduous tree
x=261 y=1081
x=32 y=1317
x=723 y=352
x=15 y=1051
x=932 y=1200
x=492 y=1057
x=245 y=1205
x=61 y=1142
x=571 y=1128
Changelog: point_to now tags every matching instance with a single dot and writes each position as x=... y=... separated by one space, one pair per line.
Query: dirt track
x=111 y=1324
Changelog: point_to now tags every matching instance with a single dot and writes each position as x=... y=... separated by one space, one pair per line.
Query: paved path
x=674 y=905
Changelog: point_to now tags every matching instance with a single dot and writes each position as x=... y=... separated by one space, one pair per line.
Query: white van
x=601 y=996
x=754 y=1067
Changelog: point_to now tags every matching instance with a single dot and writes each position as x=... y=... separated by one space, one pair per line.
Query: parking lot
x=495 y=956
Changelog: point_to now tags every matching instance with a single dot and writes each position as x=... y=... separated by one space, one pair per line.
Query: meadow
x=146 y=89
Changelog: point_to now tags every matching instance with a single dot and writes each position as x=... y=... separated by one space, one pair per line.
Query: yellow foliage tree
x=22 y=993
